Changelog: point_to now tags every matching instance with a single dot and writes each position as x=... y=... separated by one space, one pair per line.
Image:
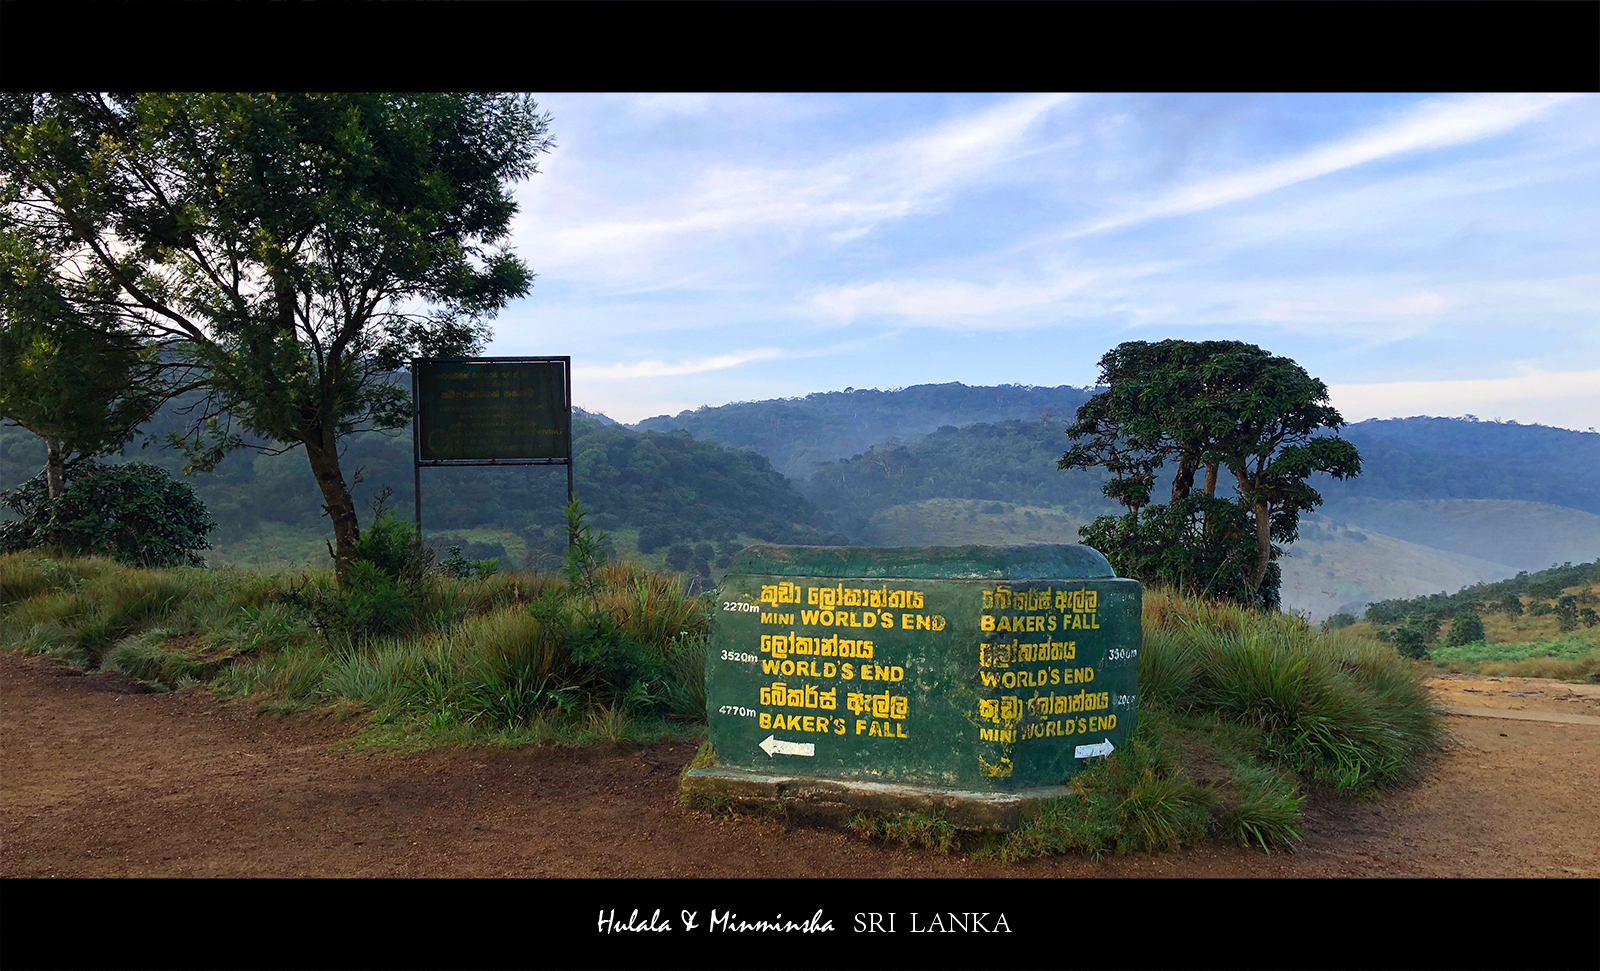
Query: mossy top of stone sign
x=1038 y=562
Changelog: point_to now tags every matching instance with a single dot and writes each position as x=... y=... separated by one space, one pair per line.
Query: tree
x=1467 y=628
x=1338 y=622
x=1410 y=641
x=297 y=249
x=67 y=374
x=1510 y=605
x=1428 y=623
x=1212 y=405
x=679 y=557
x=654 y=537
x=1566 y=612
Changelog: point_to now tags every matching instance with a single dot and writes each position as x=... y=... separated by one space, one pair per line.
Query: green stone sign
x=489 y=410
x=974 y=668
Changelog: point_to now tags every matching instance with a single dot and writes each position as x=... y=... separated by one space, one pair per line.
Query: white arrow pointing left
x=772 y=746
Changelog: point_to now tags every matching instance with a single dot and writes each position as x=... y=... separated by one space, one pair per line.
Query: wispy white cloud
x=1432 y=125
x=1533 y=395
x=661 y=369
x=834 y=200
x=1375 y=308
x=1370 y=237
x=1416 y=205
x=1012 y=302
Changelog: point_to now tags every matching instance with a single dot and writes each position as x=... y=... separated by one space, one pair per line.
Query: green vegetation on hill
x=1542 y=625
x=1516 y=534
x=1010 y=462
x=666 y=484
x=269 y=510
x=971 y=522
x=1452 y=458
x=797 y=434
x=1543 y=585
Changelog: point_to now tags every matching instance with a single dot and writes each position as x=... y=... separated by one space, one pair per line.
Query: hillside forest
x=1442 y=503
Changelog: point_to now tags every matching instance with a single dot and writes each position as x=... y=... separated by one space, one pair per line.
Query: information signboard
x=987 y=668
x=493 y=410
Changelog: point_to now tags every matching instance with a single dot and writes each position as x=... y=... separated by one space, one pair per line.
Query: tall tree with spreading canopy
x=1212 y=405
x=66 y=373
x=296 y=249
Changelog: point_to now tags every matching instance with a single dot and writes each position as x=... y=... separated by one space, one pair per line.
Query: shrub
x=1410 y=642
x=459 y=567
x=652 y=538
x=394 y=548
x=1200 y=545
x=1466 y=629
x=1335 y=707
x=679 y=557
x=135 y=513
x=1338 y=621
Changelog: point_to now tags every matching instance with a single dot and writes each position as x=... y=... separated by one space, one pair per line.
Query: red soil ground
x=100 y=780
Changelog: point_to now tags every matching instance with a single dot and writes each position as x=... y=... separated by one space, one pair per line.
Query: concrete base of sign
x=836 y=800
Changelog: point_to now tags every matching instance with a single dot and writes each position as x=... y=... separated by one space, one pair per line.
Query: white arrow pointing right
x=1090 y=751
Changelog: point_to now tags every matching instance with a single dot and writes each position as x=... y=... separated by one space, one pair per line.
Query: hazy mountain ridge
x=1333 y=567
x=692 y=490
x=1441 y=502
x=1336 y=566
x=797 y=434
x=1008 y=461
x=1453 y=458
x=1519 y=534
x=1448 y=501
x=1402 y=458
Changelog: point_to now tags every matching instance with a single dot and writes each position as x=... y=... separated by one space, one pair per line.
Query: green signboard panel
x=486 y=411
x=988 y=668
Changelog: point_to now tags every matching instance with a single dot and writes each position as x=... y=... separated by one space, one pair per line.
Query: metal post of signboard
x=416 y=447
x=571 y=537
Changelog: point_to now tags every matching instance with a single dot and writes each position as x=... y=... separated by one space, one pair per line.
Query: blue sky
x=1422 y=254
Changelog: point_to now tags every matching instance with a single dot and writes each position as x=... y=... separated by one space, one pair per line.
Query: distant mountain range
x=1440 y=503
x=797 y=434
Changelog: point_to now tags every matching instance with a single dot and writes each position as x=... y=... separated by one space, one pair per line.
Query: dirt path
x=100 y=781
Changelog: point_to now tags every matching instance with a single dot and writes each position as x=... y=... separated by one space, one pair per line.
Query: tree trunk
x=1263 y=544
x=1184 y=480
x=1211 y=479
x=55 y=467
x=340 y=507
x=1263 y=512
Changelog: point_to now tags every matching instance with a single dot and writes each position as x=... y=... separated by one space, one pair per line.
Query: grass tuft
x=911 y=830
